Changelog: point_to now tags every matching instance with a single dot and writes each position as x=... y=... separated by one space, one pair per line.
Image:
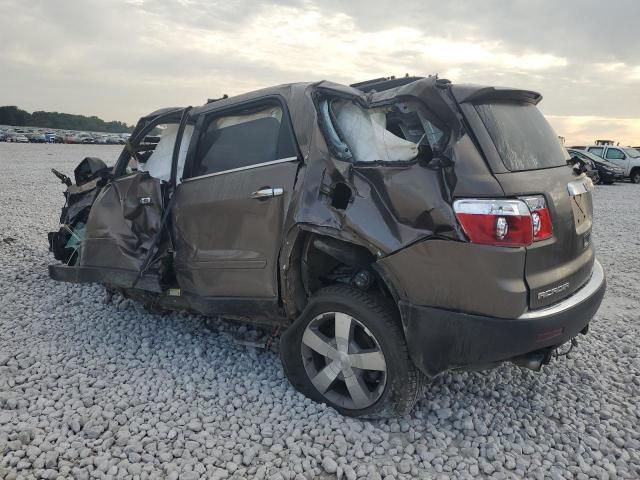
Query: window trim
x=205 y=118
x=240 y=169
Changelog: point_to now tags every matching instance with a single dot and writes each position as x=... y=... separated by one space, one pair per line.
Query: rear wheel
x=635 y=176
x=347 y=350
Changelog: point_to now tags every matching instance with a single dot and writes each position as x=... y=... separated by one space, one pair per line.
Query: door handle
x=268 y=192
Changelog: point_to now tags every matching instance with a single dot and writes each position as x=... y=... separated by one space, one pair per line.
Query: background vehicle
x=607 y=172
x=626 y=157
x=37 y=138
x=52 y=137
x=387 y=243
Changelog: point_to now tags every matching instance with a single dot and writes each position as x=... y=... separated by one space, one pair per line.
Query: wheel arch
x=306 y=247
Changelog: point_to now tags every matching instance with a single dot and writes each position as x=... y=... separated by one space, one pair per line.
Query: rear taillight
x=495 y=222
x=540 y=217
x=510 y=223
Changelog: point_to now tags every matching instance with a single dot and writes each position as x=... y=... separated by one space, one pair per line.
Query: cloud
x=581 y=130
x=122 y=58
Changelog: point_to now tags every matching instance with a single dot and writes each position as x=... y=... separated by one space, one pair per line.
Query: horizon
x=121 y=59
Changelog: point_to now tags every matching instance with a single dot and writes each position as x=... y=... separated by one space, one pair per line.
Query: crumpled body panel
x=393 y=204
x=122 y=223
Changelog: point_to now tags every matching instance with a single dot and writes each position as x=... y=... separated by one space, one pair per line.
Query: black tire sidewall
x=391 y=342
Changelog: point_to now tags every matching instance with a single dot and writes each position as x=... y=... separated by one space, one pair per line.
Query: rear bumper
x=440 y=340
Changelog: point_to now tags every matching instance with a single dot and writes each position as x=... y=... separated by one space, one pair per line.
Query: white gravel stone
x=92 y=387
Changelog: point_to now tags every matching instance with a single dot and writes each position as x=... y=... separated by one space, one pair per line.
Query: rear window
x=523 y=137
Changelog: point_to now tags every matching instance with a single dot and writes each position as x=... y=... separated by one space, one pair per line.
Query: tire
x=596 y=178
x=392 y=385
x=635 y=176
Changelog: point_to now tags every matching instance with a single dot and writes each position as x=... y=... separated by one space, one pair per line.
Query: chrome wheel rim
x=343 y=360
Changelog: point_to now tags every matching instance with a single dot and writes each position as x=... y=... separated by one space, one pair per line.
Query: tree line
x=17 y=117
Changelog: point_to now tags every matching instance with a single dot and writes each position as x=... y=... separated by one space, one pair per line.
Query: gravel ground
x=91 y=388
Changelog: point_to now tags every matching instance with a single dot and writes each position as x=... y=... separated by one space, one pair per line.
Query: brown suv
x=394 y=229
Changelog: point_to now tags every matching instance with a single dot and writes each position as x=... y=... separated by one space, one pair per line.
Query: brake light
x=508 y=222
x=540 y=217
x=495 y=222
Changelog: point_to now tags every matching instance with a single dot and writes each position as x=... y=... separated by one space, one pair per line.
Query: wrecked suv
x=392 y=230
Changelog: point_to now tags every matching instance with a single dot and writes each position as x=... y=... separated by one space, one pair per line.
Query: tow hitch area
x=535 y=360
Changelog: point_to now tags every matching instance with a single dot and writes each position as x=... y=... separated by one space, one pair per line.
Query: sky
x=121 y=59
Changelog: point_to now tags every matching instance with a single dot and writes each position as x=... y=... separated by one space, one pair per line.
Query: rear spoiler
x=476 y=94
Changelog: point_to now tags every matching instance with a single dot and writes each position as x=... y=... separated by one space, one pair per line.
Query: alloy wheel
x=343 y=360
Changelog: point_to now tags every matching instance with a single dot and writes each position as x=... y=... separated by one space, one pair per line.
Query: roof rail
x=381 y=84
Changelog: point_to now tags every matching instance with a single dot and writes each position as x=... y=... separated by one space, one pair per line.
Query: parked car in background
x=587 y=167
x=607 y=172
x=625 y=157
x=79 y=138
x=20 y=138
x=338 y=214
x=37 y=138
x=53 y=137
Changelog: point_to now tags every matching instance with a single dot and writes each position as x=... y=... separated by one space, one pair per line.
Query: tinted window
x=614 y=154
x=523 y=137
x=596 y=150
x=253 y=135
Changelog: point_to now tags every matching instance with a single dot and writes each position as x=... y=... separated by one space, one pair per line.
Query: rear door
x=231 y=205
x=528 y=161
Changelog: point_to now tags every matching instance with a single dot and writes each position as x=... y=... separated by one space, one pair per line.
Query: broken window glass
x=391 y=133
x=158 y=163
